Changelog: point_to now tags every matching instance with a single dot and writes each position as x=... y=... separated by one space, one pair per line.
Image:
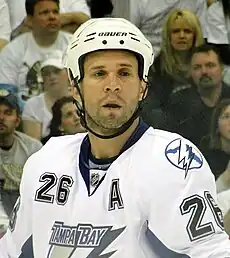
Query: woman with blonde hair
x=181 y=33
x=169 y=73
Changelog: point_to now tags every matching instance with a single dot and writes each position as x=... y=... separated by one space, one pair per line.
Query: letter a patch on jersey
x=115 y=198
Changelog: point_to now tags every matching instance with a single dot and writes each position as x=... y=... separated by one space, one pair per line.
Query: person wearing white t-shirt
x=37 y=110
x=5 y=29
x=218 y=23
x=149 y=15
x=15 y=148
x=218 y=29
x=20 y=59
x=72 y=14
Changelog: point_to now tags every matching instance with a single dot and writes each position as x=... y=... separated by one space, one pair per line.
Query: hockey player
x=124 y=189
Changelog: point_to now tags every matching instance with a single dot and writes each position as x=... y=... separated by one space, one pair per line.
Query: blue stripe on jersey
x=85 y=152
x=27 y=249
x=160 y=249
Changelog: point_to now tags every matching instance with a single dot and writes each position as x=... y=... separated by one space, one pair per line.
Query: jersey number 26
x=196 y=205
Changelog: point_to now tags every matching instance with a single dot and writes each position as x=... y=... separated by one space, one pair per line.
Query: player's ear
x=74 y=90
x=143 y=90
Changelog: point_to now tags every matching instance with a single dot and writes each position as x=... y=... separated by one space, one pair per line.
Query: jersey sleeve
x=184 y=219
x=19 y=233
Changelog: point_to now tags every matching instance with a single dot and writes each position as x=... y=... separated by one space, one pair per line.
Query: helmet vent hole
x=104 y=42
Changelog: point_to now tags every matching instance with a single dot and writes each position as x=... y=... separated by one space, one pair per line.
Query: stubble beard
x=108 y=125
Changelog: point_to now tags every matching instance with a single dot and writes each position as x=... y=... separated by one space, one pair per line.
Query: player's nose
x=113 y=83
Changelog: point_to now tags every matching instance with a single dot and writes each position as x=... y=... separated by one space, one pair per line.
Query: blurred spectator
x=15 y=148
x=14 y=90
x=223 y=199
x=216 y=146
x=73 y=14
x=149 y=15
x=37 y=110
x=170 y=71
x=20 y=59
x=209 y=2
x=218 y=27
x=227 y=222
x=121 y=9
x=5 y=29
x=193 y=107
x=103 y=9
x=223 y=181
x=64 y=119
x=218 y=22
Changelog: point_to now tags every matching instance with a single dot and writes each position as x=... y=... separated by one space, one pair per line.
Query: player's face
x=206 y=70
x=9 y=120
x=182 y=35
x=111 y=89
x=70 y=121
x=224 y=124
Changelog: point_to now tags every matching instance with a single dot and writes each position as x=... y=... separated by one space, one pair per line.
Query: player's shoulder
x=60 y=146
x=163 y=137
x=172 y=150
x=57 y=153
x=65 y=141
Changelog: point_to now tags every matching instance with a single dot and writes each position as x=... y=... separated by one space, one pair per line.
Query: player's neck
x=108 y=148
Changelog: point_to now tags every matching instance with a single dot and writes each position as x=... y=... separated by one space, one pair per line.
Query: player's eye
x=124 y=73
x=99 y=73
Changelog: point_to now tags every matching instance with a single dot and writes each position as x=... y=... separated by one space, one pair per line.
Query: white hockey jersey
x=156 y=200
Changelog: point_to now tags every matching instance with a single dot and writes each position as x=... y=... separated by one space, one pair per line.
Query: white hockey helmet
x=107 y=33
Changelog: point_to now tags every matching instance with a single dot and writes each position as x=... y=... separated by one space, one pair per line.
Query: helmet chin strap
x=82 y=114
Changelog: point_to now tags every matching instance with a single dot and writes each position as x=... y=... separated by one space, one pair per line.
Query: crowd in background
x=189 y=81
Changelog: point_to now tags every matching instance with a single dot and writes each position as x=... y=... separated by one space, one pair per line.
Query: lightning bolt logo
x=107 y=239
x=185 y=157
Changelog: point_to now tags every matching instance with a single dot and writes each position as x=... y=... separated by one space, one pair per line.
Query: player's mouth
x=112 y=106
x=53 y=83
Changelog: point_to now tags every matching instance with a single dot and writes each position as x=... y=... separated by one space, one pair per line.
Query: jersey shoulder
x=57 y=149
x=173 y=152
x=58 y=152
